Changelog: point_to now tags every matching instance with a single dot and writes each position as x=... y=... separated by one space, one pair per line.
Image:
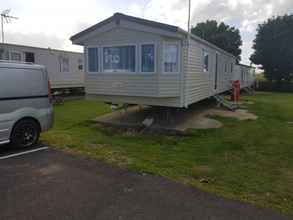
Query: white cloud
x=246 y=51
x=244 y=14
x=50 y=23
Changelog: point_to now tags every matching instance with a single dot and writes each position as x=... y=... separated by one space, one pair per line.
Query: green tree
x=222 y=35
x=273 y=47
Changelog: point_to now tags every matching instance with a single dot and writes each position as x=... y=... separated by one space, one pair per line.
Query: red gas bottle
x=235 y=96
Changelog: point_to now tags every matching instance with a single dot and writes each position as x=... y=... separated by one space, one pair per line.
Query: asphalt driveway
x=49 y=184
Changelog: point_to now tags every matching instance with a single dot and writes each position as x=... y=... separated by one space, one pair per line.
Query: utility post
x=189 y=28
x=5 y=17
x=183 y=81
x=2 y=28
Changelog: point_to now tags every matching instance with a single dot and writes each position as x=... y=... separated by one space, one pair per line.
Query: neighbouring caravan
x=245 y=74
x=137 y=61
x=65 y=68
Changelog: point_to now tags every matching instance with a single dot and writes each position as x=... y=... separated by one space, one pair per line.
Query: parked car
x=25 y=103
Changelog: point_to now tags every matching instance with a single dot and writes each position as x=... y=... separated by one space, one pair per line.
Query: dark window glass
x=119 y=59
x=80 y=64
x=205 y=61
x=148 y=58
x=29 y=57
x=93 y=60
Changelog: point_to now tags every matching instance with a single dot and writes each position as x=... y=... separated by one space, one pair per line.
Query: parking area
x=49 y=184
x=7 y=152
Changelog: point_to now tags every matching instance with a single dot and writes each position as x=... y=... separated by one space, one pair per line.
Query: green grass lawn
x=250 y=160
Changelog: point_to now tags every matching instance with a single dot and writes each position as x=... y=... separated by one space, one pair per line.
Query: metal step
x=225 y=103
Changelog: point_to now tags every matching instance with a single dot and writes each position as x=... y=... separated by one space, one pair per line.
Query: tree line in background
x=273 y=45
x=273 y=48
x=222 y=35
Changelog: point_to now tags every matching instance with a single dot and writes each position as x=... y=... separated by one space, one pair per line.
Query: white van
x=25 y=103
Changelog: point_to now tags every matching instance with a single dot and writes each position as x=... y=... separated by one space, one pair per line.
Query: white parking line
x=22 y=153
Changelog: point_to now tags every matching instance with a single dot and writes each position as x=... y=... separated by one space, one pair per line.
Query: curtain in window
x=93 y=60
x=119 y=59
x=171 y=58
x=148 y=58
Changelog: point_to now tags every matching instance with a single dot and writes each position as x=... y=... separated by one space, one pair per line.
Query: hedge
x=274 y=86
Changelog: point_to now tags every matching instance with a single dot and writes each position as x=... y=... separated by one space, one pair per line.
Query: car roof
x=20 y=65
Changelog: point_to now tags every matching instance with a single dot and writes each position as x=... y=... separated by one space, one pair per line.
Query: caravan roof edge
x=167 y=27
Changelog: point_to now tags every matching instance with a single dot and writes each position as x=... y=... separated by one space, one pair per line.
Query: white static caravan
x=65 y=68
x=245 y=74
x=137 y=61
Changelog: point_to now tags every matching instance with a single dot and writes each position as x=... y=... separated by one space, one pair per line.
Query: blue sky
x=50 y=23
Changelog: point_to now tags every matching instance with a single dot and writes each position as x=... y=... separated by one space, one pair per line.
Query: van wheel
x=25 y=134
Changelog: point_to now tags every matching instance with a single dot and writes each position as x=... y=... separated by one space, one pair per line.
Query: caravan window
x=1 y=54
x=119 y=59
x=15 y=56
x=80 y=64
x=93 y=59
x=205 y=61
x=29 y=57
x=64 y=65
x=148 y=58
x=4 y=55
x=171 y=58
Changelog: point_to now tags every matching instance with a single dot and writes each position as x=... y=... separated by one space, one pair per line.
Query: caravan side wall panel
x=50 y=59
x=136 y=87
x=200 y=84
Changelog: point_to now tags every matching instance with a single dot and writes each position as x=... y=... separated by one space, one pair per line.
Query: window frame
x=31 y=53
x=119 y=45
x=204 y=52
x=179 y=56
x=80 y=64
x=15 y=52
x=62 y=64
x=87 y=59
x=140 y=57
